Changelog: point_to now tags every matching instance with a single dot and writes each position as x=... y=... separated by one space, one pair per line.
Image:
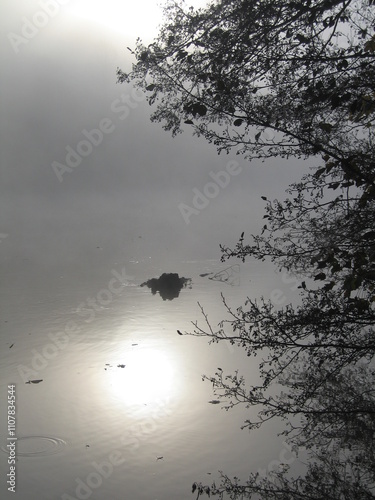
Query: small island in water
x=168 y=285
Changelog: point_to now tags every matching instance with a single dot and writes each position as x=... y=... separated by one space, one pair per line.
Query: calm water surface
x=122 y=412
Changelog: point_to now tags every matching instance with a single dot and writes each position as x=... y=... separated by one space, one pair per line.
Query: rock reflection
x=168 y=285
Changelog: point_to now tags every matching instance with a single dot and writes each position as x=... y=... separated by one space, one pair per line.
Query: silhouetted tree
x=268 y=78
x=316 y=367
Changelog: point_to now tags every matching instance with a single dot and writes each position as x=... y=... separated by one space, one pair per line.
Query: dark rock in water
x=168 y=285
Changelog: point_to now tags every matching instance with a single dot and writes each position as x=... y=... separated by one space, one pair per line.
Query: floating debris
x=121 y=366
x=178 y=331
x=230 y=275
x=10 y=347
x=159 y=458
x=215 y=401
x=34 y=381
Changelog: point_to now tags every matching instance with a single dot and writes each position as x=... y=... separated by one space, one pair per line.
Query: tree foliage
x=268 y=78
x=287 y=79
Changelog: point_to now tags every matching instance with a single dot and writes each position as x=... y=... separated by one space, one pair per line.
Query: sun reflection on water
x=147 y=377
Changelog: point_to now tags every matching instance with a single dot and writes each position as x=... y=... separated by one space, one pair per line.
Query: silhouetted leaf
x=199 y=109
x=327 y=127
x=329 y=286
x=370 y=235
x=320 y=276
x=301 y=38
x=319 y=172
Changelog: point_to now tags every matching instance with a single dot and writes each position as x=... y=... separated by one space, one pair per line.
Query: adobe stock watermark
x=201 y=199
x=59 y=341
x=282 y=461
x=131 y=440
x=94 y=479
x=32 y=26
x=277 y=296
x=142 y=429
x=94 y=137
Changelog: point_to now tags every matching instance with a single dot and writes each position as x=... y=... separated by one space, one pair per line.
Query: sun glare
x=147 y=377
x=128 y=17
x=139 y=18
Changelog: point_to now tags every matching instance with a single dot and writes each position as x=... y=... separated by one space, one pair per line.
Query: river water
x=118 y=409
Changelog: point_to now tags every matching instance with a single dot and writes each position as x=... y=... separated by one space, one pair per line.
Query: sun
x=133 y=18
x=147 y=377
x=128 y=17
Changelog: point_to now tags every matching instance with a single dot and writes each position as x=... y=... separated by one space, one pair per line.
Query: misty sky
x=64 y=230
x=124 y=196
